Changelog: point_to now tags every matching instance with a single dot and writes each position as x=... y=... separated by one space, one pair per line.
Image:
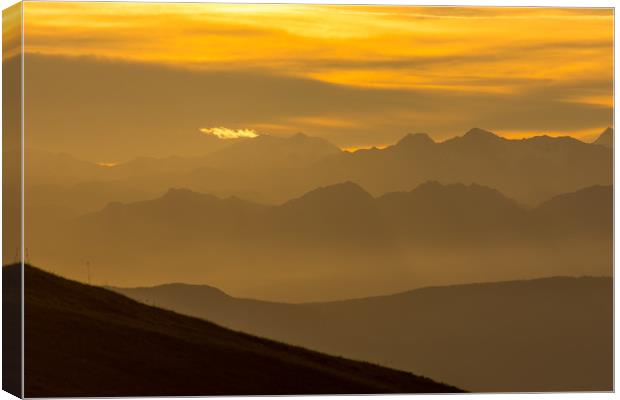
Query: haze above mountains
x=122 y=110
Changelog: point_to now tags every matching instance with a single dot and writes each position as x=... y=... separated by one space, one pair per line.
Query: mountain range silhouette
x=272 y=170
x=337 y=234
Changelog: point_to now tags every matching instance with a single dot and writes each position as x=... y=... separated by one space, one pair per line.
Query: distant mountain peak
x=182 y=194
x=606 y=138
x=170 y=288
x=340 y=192
x=480 y=133
x=415 y=139
x=435 y=187
x=429 y=185
x=178 y=192
x=342 y=188
x=299 y=136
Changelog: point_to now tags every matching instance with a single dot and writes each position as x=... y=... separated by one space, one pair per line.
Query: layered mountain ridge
x=340 y=233
x=273 y=169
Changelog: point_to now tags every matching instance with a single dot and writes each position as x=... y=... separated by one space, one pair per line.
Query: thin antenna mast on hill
x=88 y=270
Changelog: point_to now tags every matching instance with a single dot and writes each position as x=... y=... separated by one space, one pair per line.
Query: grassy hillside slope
x=85 y=341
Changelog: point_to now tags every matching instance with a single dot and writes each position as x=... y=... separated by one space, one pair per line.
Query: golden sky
x=562 y=56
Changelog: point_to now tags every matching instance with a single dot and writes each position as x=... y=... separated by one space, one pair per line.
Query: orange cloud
x=476 y=58
x=431 y=47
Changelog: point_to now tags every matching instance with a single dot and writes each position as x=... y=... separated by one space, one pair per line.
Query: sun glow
x=585 y=135
x=107 y=164
x=354 y=148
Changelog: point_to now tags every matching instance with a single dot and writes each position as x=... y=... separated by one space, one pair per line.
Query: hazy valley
x=552 y=334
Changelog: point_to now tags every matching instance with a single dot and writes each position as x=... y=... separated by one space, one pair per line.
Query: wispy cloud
x=356 y=75
x=226 y=133
x=390 y=47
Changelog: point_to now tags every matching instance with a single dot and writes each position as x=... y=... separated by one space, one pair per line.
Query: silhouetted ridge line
x=172 y=287
x=340 y=193
x=553 y=140
x=299 y=136
x=430 y=210
x=186 y=194
x=415 y=139
x=474 y=137
x=480 y=133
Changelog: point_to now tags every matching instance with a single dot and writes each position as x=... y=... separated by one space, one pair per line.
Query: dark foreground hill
x=552 y=334
x=87 y=341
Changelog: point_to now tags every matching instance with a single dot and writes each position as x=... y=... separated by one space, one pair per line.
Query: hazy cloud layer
x=106 y=110
x=364 y=75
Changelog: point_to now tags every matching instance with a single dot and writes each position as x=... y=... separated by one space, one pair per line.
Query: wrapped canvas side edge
x=12 y=200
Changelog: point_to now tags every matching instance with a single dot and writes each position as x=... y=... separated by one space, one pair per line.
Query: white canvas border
x=490 y=3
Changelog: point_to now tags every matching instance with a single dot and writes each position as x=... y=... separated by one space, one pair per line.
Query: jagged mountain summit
x=271 y=169
x=606 y=138
x=528 y=170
